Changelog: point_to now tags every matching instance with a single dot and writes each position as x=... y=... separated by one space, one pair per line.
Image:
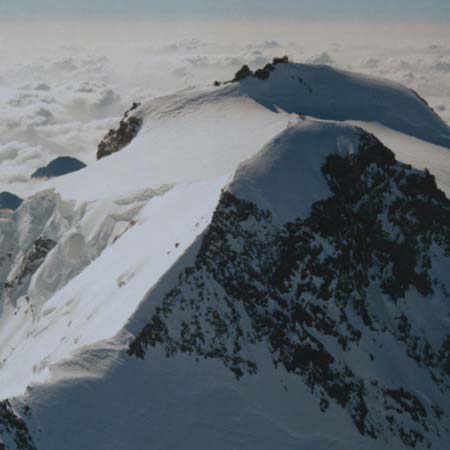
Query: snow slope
x=95 y=304
x=172 y=148
x=329 y=93
x=89 y=258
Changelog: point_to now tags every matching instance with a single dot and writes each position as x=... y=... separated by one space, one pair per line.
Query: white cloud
x=370 y=63
x=443 y=64
x=322 y=58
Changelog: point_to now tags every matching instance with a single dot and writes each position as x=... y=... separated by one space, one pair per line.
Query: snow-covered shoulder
x=184 y=138
x=333 y=94
x=285 y=177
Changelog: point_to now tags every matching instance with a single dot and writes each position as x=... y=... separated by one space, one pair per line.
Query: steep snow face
x=76 y=298
x=328 y=93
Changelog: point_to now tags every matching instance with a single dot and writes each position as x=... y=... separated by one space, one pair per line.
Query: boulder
x=116 y=140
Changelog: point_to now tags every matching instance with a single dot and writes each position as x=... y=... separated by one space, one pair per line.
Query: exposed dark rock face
x=15 y=428
x=116 y=140
x=31 y=261
x=242 y=73
x=59 y=166
x=306 y=290
x=9 y=201
x=262 y=74
x=283 y=60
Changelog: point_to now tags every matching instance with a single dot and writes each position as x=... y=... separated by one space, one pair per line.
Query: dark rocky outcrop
x=31 y=261
x=283 y=60
x=13 y=426
x=116 y=140
x=262 y=74
x=9 y=201
x=242 y=73
x=58 y=167
x=305 y=290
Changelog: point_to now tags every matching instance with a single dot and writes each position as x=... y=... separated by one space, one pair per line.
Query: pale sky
x=398 y=10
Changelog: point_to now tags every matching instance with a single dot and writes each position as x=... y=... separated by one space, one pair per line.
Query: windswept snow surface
x=328 y=93
x=184 y=138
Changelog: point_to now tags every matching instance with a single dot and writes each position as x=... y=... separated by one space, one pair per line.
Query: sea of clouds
x=64 y=84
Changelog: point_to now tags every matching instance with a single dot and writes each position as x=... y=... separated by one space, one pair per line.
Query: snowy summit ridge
x=332 y=94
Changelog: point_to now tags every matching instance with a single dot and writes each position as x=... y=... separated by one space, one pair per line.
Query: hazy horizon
x=352 y=10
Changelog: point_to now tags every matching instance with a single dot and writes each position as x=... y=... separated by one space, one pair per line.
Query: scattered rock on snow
x=262 y=74
x=116 y=140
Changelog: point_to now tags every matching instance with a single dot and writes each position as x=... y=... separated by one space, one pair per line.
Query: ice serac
x=328 y=93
